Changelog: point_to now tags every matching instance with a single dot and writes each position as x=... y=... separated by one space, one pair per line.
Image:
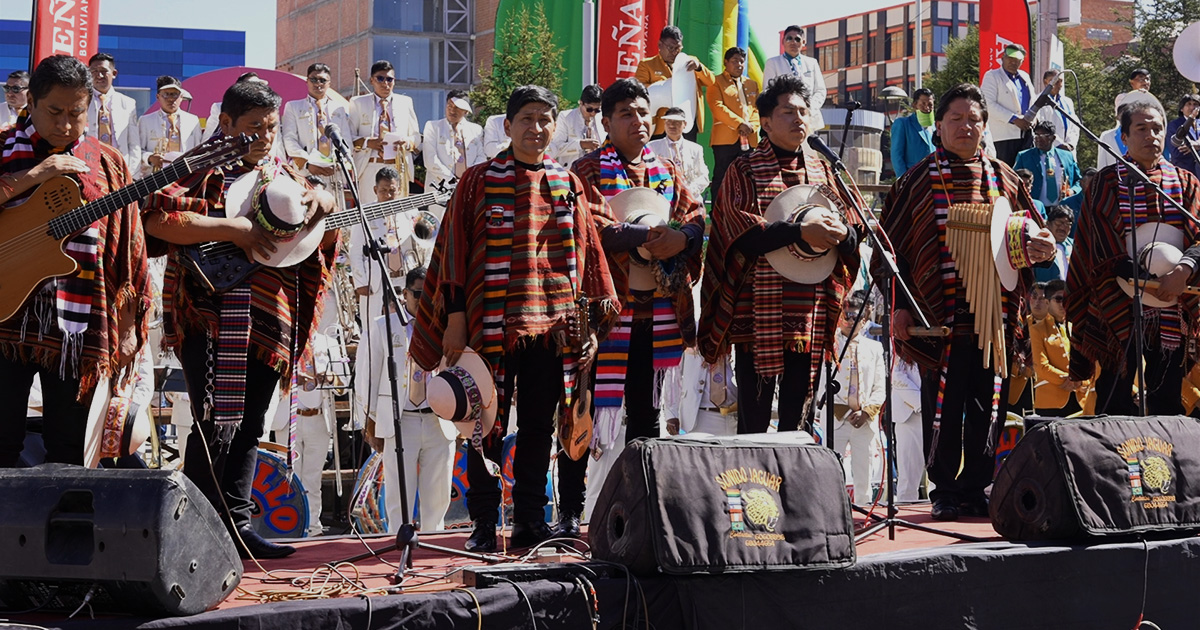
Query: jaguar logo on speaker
x=750 y=495
x=1148 y=473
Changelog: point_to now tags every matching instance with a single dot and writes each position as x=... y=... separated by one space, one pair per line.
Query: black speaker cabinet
x=682 y=505
x=1107 y=476
x=140 y=541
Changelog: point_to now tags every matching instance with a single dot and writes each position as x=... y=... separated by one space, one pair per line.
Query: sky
x=771 y=16
x=256 y=17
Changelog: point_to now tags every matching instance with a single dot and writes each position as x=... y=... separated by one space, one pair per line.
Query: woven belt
x=419 y=411
x=308 y=412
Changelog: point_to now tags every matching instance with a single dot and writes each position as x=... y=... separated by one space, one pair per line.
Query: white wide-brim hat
x=1002 y=216
x=280 y=210
x=134 y=430
x=791 y=262
x=454 y=390
x=1161 y=248
x=641 y=206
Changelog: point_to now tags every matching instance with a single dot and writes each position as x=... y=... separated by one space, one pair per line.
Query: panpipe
x=969 y=238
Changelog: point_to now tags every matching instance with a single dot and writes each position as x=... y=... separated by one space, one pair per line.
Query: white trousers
x=428 y=468
x=910 y=457
x=715 y=423
x=598 y=470
x=366 y=182
x=312 y=436
x=861 y=441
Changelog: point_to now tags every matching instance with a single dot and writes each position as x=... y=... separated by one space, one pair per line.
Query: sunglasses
x=15 y=89
x=592 y=110
x=793 y=38
x=416 y=294
x=1058 y=298
x=318 y=80
x=383 y=79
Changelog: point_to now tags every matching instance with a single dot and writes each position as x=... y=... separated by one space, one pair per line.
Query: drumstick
x=921 y=331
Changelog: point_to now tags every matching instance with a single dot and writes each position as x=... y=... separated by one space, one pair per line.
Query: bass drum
x=368 y=512
x=1014 y=428
x=280 y=506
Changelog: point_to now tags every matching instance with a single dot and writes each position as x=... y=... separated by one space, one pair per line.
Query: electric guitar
x=219 y=266
x=576 y=430
x=34 y=234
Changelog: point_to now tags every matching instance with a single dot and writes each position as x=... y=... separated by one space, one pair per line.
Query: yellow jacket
x=1051 y=360
x=654 y=69
x=727 y=110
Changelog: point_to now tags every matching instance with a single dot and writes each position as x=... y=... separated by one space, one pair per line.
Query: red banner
x=66 y=27
x=1001 y=22
x=627 y=32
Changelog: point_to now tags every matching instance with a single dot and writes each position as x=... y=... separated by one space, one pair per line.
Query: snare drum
x=280 y=507
x=368 y=512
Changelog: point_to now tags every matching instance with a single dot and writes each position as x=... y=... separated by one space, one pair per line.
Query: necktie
x=852 y=386
x=323 y=144
x=676 y=156
x=416 y=389
x=460 y=149
x=385 y=118
x=104 y=122
x=718 y=392
x=742 y=95
x=173 y=132
x=795 y=64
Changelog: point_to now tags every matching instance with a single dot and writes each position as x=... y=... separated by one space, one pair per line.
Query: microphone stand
x=888 y=275
x=406 y=534
x=850 y=108
x=1133 y=176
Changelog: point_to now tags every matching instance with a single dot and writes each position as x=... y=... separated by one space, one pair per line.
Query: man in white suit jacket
x=451 y=144
x=687 y=155
x=304 y=121
x=428 y=440
x=860 y=396
x=158 y=137
x=375 y=115
x=1009 y=93
x=578 y=131
x=803 y=66
x=119 y=125
x=495 y=138
x=16 y=95
x=1066 y=134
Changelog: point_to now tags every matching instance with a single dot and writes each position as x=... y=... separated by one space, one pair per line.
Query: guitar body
x=30 y=255
x=576 y=432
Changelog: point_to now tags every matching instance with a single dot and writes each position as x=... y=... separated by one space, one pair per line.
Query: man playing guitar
x=237 y=345
x=81 y=328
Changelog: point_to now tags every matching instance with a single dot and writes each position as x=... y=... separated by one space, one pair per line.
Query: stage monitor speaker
x=139 y=541
x=717 y=505
x=1101 y=477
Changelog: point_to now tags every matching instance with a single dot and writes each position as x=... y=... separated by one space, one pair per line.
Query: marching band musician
x=1183 y=134
x=16 y=95
x=960 y=398
x=71 y=349
x=661 y=67
x=687 y=156
x=578 y=131
x=304 y=122
x=429 y=441
x=112 y=116
x=375 y=116
x=501 y=213
x=170 y=131
x=1098 y=305
x=495 y=139
x=778 y=329
x=452 y=144
x=658 y=317
x=735 y=119
x=364 y=271
x=241 y=343
x=793 y=62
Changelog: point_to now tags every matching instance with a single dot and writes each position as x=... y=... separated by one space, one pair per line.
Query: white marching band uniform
x=865 y=359
x=429 y=441
x=442 y=156
x=123 y=116
x=154 y=136
x=301 y=129
x=809 y=71
x=910 y=445
x=495 y=139
x=689 y=157
x=367 y=112
x=568 y=131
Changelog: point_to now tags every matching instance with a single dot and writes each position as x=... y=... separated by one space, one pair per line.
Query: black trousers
x=1164 y=378
x=1071 y=407
x=1007 y=150
x=536 y=372
x=64 y=419
x=228 y=482
x=966 y=421
x=723 y=156
x=641 y=416
x=755 y=393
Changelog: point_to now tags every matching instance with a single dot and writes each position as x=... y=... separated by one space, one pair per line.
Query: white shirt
x=570 y=129
x=809 y=71
x=8 y=115
x=299 y=128
x=1003 y=98
x=124 y=116
x=495 y=139
x=373 y=390
x=153 y=135
x=689 y=158
x=1110 y=138
x=1065 y=132
x=441 y=154
x=365 y=113
x=867 y=355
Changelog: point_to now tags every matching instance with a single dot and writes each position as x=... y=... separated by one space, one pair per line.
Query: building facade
x=430 y=43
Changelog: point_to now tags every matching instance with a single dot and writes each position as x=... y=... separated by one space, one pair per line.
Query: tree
x=1156 y=26
x=1093 y=88
x=534 y=58
x=962 y=64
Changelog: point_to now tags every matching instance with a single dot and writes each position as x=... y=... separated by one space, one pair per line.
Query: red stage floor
x=285 y=579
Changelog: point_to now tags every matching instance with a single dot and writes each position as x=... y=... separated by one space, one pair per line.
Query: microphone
x=852 y=105
x=1043 y=99
x=818 y=145
x=335 y=136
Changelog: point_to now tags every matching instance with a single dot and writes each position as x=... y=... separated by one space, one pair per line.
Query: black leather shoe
x=944 y=510
x=260 y=547
x=483 y=538
x=568 y=527
x=977 y=508
x=529 y=534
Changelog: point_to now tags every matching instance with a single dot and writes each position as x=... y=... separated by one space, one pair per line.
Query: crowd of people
x=578 y=265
